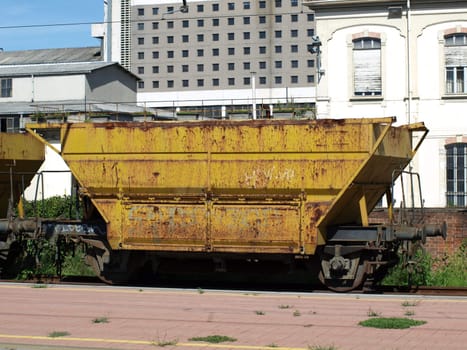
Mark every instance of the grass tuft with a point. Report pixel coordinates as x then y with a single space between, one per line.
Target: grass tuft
373 313
215 339
391 323
259 312
100 320
318 347
57 334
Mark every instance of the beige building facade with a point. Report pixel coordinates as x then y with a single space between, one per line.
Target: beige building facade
406 59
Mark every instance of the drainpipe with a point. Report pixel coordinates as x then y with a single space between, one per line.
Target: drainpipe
409 66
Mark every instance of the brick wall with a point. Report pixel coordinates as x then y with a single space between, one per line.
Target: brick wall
456 220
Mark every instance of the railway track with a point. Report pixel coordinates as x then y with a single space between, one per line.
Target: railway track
404 290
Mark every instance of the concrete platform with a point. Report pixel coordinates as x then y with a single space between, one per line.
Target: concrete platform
148 318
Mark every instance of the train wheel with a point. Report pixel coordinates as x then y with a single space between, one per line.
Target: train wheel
344 285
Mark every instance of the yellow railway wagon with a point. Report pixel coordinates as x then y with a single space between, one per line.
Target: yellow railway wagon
21 155
247 188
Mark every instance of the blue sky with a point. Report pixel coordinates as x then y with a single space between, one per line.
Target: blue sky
33 12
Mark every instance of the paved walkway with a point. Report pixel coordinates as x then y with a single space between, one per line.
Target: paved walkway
132 318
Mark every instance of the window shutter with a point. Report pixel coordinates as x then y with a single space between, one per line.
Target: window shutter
456 56
367 72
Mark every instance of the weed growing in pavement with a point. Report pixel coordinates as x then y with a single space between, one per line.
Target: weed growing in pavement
285 306
409 313
408 303
57 334
215 339
100 320
164 342
259 312
297 313
314 347
39 285
200 291
273 345
391 323
372 313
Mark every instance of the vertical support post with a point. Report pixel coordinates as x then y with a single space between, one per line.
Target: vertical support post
363 210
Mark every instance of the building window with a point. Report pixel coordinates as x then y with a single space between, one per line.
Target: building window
294 33
246 65
294 3
155 54
200 67
155 11
310 17
185 53
262 65
155 84
200 23
155 40
246 20
278 18
262 4
262 50
278 64
262 80
170 39
262 19
294 79
456 174
215 7
278 33
140 26
231 36
140 41
367 66
170 84
155 69
170 69
215 67
310 63
231 66
215 22
185 38
200 82
140 71
310 32
155 25
170 24
215 37
278 80
294 63
231 51
294 18
231 6
278 3
231 81
200 37
141 55
215 52
140 12
140 84
200 52
278 49
170 54
185 83
185 68
185 23
246 50
246 5
293 48
7 87
215 82
200 8
170 9
455 53
246 80
310 79
231 21
262 34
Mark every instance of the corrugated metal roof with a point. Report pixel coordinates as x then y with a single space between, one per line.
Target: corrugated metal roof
66 55
52 69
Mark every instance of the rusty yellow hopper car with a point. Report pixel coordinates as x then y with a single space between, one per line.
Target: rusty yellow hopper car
21 155
226 190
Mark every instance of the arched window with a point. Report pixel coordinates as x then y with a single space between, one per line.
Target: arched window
455 53
367 66
456 174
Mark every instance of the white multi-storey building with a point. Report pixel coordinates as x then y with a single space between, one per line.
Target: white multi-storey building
406 59
218 55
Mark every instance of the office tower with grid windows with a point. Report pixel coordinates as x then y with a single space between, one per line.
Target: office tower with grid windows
215 54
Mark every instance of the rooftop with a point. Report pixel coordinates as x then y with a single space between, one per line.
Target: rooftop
69 55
